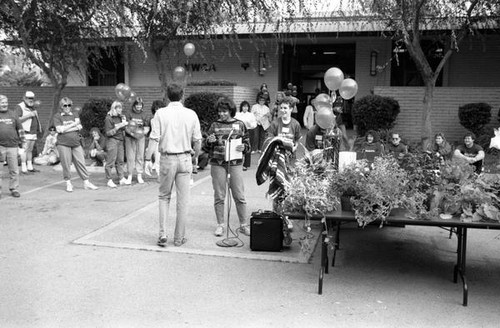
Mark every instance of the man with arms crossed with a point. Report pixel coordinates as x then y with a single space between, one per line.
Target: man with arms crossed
177 131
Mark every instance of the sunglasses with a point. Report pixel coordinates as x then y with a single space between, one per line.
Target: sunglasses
67 105
30 98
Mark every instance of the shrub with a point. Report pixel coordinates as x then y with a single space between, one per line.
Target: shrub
203 103
375 113
474 117
93 114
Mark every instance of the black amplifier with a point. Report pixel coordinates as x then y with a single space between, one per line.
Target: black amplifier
266 231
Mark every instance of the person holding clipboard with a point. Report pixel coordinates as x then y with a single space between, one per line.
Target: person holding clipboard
227 143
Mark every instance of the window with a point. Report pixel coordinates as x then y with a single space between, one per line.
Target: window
106 67
403 69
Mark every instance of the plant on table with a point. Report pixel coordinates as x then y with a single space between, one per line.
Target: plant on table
309 191
461 191
376 188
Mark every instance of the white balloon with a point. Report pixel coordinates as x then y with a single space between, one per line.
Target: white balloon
348 88
333 78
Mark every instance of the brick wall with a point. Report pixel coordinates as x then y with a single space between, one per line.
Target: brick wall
445 112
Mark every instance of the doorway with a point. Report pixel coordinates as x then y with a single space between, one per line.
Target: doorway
305 66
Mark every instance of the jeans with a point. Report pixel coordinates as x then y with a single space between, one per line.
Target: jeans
115 157
257 137
219 182
28 151
9 154
134 150
174 169
74 155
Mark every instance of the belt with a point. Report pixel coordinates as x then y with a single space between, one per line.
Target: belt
173 154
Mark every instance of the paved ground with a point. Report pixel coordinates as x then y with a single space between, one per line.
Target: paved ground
394 277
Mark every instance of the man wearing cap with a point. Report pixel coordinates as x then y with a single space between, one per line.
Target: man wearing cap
11 140
28 116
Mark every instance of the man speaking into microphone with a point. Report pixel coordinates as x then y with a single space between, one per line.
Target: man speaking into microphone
227 142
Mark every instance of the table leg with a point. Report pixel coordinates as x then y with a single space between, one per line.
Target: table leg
336 243
461 262
323 257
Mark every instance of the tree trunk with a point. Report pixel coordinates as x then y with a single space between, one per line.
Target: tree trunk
426 132
161 66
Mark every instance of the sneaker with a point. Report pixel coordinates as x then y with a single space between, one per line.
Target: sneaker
124 181
219 231
253 152
33 170
147 168
15 193
69 186
245 229
245 168
139 178
162 241
180 242
87 185
288 223
111 184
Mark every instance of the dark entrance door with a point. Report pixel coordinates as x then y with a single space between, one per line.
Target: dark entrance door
305 66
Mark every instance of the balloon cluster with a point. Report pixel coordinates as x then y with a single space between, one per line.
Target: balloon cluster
124 92
334 80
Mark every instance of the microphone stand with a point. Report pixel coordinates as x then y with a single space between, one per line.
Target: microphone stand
228 242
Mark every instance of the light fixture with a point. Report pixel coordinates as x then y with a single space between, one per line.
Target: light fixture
373 62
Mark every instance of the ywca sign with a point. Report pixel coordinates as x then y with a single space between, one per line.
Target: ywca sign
196 67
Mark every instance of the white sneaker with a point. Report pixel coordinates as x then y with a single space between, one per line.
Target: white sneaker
87 185
219 231
111 184
69 186
139 178
124 181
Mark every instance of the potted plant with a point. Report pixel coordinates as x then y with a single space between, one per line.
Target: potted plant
461 191
376 189
308 190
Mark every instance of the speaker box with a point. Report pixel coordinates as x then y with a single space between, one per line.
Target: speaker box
266 231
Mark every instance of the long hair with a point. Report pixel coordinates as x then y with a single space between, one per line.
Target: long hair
112 110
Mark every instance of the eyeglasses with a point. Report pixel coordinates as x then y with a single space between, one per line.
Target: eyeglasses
67 105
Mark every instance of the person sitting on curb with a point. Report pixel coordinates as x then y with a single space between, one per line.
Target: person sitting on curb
371 147
471 152
97 148
49 155
440 147
395 147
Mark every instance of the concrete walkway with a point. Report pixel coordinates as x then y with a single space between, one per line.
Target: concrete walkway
390 277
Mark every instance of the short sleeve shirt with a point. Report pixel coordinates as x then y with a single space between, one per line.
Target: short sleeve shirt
290 131
68 139
9 125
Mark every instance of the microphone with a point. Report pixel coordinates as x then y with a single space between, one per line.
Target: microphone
230 134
